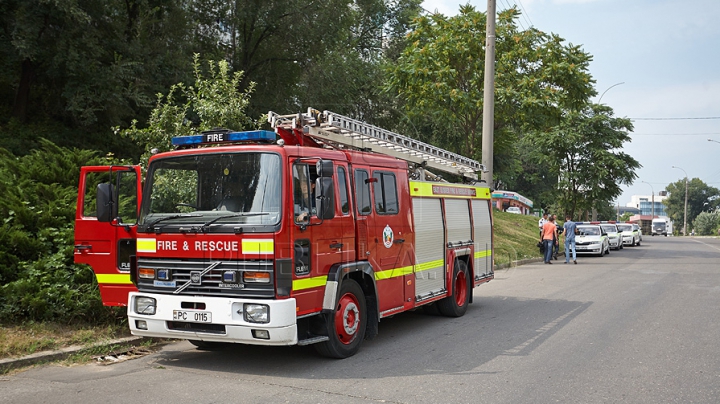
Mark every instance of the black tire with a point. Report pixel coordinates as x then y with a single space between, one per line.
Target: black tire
345 339
607 251
457 303
638 243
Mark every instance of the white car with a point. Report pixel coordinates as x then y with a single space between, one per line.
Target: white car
638 229
629 235
614 238
591 239
514 209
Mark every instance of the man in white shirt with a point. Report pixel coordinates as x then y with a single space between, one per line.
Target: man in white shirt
542 221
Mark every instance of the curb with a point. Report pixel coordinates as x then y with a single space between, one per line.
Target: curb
59 354
518 263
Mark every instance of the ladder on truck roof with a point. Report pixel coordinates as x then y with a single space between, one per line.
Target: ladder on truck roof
338 131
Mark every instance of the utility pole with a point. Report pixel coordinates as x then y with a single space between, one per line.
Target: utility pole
489 97
686 196
653 199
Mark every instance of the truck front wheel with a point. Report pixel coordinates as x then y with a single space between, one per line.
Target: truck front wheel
346 324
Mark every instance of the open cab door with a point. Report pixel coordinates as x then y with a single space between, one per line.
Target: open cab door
106 225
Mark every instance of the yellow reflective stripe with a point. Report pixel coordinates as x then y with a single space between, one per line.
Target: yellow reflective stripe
481 254
258 246
429 265
418 188
301 284
147 245
120 279
393 273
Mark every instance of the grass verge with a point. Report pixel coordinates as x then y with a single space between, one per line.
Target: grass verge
29 338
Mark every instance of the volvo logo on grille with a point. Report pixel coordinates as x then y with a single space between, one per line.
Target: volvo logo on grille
195 277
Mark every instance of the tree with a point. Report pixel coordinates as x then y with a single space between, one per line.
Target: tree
88 60
87 64
700 197
707 223
585 150
440 76
305 53
213 102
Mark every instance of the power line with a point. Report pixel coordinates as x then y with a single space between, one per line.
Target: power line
675 134
673 119
525 13
507 4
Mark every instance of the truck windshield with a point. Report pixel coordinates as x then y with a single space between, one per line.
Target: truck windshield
212 193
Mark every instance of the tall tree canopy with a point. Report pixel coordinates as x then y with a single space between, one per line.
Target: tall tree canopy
700 196
440 75
585 152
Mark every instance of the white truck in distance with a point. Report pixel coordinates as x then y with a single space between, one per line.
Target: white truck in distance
661 225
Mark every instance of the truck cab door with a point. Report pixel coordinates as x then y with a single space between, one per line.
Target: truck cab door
108 246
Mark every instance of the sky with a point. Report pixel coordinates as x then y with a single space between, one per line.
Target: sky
667 55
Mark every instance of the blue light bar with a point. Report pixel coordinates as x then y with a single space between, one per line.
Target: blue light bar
225 137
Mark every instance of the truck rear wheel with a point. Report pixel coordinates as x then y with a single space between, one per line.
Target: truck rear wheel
346 324
456 304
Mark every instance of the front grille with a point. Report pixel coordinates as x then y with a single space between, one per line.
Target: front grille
196 327
211 284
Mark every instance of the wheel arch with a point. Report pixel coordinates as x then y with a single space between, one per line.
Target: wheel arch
362 273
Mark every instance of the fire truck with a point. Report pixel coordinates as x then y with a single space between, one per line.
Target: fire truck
308 234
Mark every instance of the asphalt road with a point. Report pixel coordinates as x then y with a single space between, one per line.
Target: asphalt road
640 325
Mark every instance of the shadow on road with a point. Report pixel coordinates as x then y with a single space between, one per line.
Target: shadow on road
408 344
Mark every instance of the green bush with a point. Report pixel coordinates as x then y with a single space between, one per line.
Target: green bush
706 224
38 279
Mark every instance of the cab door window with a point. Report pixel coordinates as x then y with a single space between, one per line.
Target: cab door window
362 192
385 189
342 190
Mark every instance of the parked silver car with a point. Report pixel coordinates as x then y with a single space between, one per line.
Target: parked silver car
614 238
591 239
629 235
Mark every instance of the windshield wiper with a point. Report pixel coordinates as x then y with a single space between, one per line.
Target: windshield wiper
205 225
162 219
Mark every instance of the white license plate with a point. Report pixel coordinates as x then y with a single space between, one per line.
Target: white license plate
192 316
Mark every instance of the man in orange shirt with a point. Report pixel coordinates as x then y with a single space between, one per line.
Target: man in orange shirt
548 238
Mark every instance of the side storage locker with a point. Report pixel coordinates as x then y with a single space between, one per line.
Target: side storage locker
429 248
483 238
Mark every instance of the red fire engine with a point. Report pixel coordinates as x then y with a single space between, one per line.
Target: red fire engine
307 235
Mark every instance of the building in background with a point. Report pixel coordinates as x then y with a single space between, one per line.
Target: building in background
505 199
645 206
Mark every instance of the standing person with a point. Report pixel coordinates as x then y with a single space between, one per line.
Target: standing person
569 229
541 222
558 232
548 238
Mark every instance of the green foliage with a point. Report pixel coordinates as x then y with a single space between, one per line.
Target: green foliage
585 149
213 102
700 196
38 279
441 76
707 223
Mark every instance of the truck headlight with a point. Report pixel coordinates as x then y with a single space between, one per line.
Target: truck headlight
145 305
256 313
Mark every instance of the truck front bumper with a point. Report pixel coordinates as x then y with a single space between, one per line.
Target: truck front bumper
220 319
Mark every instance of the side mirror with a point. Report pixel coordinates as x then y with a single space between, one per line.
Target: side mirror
324 168
325 197
105 203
